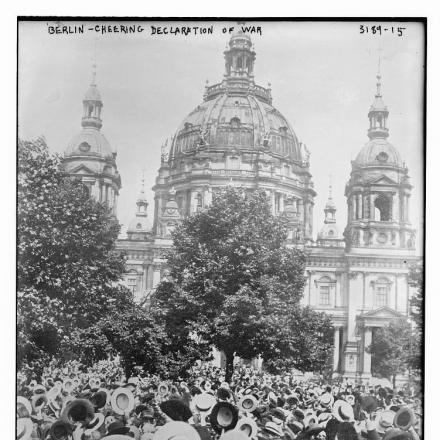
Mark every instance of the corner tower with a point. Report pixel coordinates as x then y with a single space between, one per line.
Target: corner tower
379 191
89 155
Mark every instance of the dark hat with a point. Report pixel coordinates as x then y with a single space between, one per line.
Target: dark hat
117 427
295 426
404 418
224 416
195 390
176 410
299 415
203 432
223 394
292 400
60 430
279 414
280 401
369 404
99 399
78 410
397 434
383 392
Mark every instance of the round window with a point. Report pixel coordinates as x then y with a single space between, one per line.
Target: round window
84 147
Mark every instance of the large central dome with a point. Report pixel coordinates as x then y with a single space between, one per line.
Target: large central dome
235 137
237 113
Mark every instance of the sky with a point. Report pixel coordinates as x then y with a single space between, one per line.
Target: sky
322 75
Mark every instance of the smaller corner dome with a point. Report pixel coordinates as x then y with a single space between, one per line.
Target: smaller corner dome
92 94
139 224
329 231
89 142
379 152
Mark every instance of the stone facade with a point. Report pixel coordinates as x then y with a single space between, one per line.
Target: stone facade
236 137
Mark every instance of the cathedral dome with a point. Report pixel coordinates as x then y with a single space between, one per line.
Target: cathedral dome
89 142
237 114
378 152
228 121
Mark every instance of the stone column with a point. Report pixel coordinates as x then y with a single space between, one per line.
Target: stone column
281 202
366 370
352 207
371 206
301 210
407 208
361 209
395 213
156 275
207 196
336 350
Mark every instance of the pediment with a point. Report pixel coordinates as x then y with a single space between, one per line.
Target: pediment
382 180
381 313
81 169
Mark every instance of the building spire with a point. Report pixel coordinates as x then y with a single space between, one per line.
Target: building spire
378 83
330 186
378 113
142 203
92 102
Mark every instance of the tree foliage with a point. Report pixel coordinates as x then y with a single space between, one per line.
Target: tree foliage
233 283
67 266
393 348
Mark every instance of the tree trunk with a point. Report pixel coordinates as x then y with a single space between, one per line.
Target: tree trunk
394 381
229 366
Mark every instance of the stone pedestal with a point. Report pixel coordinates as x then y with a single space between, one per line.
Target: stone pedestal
366 367
351 356
336 350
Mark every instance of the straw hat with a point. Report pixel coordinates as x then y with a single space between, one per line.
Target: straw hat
24 428
248 403
24 407
248 426
204 402
122 400
384 420
224 416
343 411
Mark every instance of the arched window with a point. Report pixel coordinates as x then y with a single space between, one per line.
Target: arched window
199 199
239 62
90 111
86 191
382 206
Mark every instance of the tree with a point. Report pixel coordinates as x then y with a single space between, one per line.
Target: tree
416 279
67 266
391 349
305 342
233 283
417 313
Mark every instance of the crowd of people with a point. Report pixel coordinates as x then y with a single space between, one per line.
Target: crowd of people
78 404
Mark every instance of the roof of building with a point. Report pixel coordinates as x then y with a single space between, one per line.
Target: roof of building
237 113
378 152
89 142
